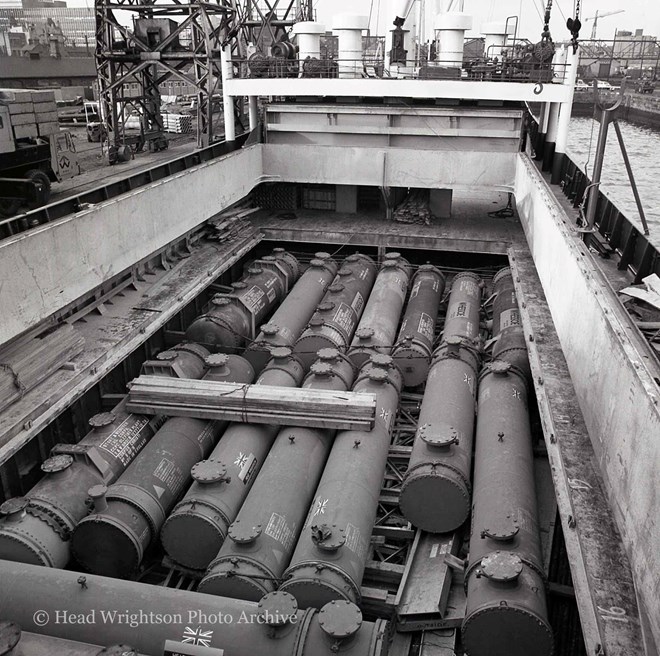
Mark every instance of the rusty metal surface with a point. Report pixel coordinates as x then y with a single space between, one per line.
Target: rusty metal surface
601 572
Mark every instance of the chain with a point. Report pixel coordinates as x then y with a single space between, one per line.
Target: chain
545 36
574 25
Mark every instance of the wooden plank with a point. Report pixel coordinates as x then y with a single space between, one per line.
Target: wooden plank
216 400
426 589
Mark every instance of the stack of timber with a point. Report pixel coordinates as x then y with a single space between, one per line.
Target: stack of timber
27 362
252 404
415 208
33 112
231 224
177 123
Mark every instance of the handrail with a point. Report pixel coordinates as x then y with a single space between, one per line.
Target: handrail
72 204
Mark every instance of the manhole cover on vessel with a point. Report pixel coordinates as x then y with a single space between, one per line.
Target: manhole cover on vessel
277 608
340 619
10 634
502 566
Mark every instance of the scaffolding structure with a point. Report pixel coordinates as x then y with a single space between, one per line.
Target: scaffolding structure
166 39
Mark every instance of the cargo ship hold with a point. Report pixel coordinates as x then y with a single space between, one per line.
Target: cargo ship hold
352 380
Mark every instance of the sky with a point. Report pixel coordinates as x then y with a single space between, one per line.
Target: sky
638 14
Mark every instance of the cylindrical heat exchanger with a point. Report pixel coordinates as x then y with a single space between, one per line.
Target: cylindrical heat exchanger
152 618
414 344
377 328
128 515
37 528
435 493
261 539
330 557
233 318
338 314
506 612
293 315
462 319
196 529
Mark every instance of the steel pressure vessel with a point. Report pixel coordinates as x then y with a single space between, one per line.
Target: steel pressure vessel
511 345
505 303
338 314
263 535
154 618
197 527
377 328
414 344
435 493
331 554
506 612
290 319
36 528
128 515
464 306
233 318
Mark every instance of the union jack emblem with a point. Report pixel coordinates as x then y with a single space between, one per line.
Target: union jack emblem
384 415
320 506
197 637
241 460
516 393
467 379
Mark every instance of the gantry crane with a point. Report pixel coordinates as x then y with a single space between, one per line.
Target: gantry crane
598 15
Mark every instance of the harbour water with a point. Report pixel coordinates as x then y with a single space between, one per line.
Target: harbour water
643 146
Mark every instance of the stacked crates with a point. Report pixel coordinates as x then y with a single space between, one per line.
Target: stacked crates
33 112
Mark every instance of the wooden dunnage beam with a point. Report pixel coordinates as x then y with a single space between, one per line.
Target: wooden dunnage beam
253 404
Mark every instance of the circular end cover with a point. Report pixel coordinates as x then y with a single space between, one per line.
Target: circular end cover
278 608
56 464
454 340
344 272
220 301
389 264
321 369
118 650
254 270
322 255
328 354
279 249
97 491
326 306
269 258
506 630
500 368
393 256
353 258
10 635
340 619
167 356
270 329
239 285
378 375
209 471
382 360
281 352
420 492
504 531
426 267
502 273
502 566
328 538
216 360
336 288
316 262
13 506
102 418
438 435
316 321
244 534
364 333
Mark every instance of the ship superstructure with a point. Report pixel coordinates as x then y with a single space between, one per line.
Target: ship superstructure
372 405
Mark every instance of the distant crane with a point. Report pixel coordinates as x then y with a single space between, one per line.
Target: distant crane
599 15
